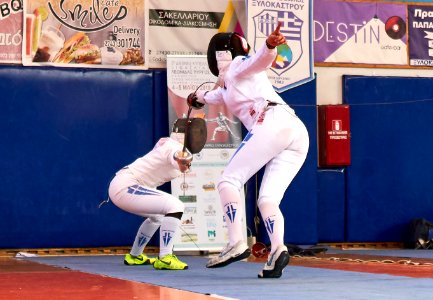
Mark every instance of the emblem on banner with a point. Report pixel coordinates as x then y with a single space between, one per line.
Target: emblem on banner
288 54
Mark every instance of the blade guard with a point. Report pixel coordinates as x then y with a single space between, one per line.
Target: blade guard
195 133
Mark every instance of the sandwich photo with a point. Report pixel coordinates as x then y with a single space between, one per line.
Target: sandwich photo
87 54
78 49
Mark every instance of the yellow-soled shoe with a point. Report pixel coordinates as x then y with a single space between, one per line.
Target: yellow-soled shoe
169 262
142 259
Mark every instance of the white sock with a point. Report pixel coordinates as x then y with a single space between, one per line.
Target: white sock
145 232
169 228
233 211
274 223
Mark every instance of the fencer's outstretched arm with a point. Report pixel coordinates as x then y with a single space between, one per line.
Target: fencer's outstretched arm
275 38
196 100
261 61
263 58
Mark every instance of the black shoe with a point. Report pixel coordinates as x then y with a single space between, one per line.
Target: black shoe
276 263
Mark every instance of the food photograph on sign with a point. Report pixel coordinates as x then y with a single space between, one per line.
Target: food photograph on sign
88 33
10 32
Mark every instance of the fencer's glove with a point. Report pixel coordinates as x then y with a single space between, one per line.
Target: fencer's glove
183 159
192 101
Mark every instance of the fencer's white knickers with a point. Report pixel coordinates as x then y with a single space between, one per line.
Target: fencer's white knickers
278 140
127 194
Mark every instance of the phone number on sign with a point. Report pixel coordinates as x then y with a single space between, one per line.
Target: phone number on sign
124 43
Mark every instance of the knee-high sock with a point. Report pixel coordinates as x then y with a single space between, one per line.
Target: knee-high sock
169 228
233 211
145 232
274 223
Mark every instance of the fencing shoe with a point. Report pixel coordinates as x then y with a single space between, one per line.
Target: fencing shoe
142 259
230 254
169 262
277 261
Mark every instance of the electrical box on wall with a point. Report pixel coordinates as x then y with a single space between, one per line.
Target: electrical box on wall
334 135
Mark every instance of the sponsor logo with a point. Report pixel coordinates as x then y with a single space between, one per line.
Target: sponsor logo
188 198
185 237
190 210
209 187
211 234
188 221
184 186
224 154
210 211
165 263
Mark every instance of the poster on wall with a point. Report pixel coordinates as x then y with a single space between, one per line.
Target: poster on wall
420 20
11 31
360 32
84 33
203 225
186 27
294 63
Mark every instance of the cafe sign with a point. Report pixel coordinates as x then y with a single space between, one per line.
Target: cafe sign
88 33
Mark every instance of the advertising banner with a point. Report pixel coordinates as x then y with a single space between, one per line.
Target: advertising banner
11 31
294 63
421 35
203 226
360 32
84 33
186 27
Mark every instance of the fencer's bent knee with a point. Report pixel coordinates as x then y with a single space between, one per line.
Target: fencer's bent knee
175 206
177 215
155 219
267 201
223 183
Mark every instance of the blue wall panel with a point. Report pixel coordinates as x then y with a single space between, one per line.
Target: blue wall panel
331 205
390 180
65 132
63 135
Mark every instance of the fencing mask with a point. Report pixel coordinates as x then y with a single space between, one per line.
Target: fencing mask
223 47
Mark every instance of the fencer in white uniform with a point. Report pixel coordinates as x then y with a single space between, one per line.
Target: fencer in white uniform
134 189
277 139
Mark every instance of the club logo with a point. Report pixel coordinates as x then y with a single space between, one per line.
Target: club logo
166 238
231 212
291 27
269 224
142 240
139 190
